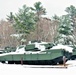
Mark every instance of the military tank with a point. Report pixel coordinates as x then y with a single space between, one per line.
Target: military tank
37 54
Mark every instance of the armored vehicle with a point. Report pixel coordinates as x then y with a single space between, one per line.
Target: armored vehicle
37 54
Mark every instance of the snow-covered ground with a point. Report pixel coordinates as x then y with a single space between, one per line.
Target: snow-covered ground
8 69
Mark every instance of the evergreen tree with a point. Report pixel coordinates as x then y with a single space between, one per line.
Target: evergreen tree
10 18
39 11
23 21
71 12
55 17
66 27
65 31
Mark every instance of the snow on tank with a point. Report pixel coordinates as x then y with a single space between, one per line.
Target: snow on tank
67 48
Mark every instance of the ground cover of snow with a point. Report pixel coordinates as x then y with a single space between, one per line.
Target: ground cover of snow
13 69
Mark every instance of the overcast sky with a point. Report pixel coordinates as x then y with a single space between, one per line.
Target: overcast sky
52 6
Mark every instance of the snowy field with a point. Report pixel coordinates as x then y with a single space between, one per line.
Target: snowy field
8 69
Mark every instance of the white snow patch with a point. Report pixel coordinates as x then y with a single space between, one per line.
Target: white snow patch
41 47
67 48
21 50
7 69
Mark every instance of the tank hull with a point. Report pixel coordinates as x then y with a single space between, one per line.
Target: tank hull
38 62
49 57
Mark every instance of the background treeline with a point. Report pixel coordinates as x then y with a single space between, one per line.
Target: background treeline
29 24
